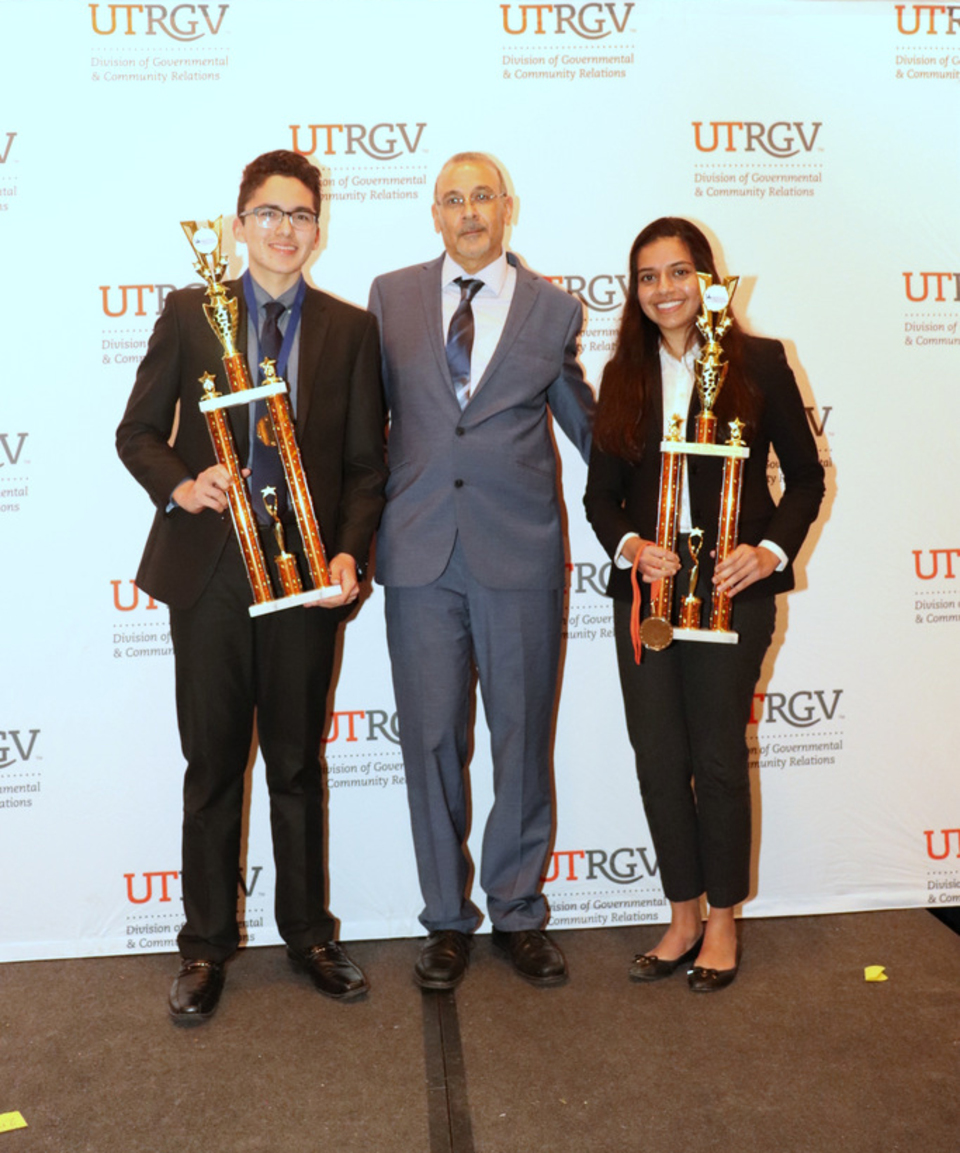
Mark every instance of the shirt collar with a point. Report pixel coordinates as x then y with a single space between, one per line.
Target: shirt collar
287 298
494 275
669 363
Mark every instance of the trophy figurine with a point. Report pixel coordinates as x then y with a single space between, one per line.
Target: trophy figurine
692 604
710 370
221 311
286 562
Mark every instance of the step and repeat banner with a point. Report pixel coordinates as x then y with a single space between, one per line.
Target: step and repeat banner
816 144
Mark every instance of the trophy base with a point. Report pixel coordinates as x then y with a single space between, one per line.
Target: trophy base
308 597
711 636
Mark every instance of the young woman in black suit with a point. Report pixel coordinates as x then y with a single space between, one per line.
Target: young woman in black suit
688 706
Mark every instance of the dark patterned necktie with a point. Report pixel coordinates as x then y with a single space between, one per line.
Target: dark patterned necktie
265 463
460 339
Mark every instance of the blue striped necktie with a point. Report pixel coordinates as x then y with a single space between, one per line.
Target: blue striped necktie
460 339
266 467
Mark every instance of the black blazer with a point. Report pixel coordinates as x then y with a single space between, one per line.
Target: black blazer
622 497
339 425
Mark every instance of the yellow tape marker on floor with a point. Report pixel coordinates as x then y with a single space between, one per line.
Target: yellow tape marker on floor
10 1121
875 973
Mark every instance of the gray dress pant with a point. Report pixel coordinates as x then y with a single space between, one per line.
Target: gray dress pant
438 634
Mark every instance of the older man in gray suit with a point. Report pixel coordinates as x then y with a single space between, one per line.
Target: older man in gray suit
476 349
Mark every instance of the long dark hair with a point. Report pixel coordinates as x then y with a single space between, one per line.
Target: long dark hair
630 384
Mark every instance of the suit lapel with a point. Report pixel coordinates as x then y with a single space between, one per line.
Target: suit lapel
430 300
314 325
524 298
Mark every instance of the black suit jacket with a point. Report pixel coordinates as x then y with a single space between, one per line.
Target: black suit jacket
622 497
339 424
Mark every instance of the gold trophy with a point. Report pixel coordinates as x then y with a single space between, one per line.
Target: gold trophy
221 311
656 630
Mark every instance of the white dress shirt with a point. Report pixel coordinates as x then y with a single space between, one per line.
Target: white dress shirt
679 380
490 308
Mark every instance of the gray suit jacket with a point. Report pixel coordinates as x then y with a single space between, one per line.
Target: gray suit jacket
489 472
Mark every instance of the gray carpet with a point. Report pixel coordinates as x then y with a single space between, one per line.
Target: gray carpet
799 1054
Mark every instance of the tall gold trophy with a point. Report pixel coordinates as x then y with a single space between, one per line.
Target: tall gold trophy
221 312
657 631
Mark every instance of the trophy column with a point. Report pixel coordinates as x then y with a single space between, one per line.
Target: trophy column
241 513
656 631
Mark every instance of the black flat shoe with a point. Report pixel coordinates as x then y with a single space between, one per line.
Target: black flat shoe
195 992
649 967
443 960
703 980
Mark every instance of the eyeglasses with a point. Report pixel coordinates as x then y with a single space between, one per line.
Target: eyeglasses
268 216
454 202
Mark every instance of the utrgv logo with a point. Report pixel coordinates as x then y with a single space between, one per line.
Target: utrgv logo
934 566
23 747
802 710
622 866
118 301
946 834
381 142
350 725
12 454
779 139
601 293
163 879
916 294
933 26
171 23
589 22
134 598
818 426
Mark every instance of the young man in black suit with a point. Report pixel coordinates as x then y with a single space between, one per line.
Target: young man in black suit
230 666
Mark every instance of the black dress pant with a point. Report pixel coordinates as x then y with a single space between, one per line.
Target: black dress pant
230 669
687 711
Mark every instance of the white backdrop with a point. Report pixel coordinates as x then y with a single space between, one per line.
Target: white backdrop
814 140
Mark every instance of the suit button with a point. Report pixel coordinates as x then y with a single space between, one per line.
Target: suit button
459 432
458 483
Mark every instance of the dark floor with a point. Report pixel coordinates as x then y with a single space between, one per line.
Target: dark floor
799 1054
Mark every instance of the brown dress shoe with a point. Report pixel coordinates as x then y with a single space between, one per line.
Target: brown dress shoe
330 969
534 955
444 957
195 992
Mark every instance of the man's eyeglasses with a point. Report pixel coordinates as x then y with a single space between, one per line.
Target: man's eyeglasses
269 217
454 202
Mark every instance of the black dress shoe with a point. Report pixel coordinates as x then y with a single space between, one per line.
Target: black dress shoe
330 969
444 957
649 967
535 957
703 980
195 992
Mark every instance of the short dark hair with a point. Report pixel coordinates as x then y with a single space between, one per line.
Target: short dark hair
278 163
